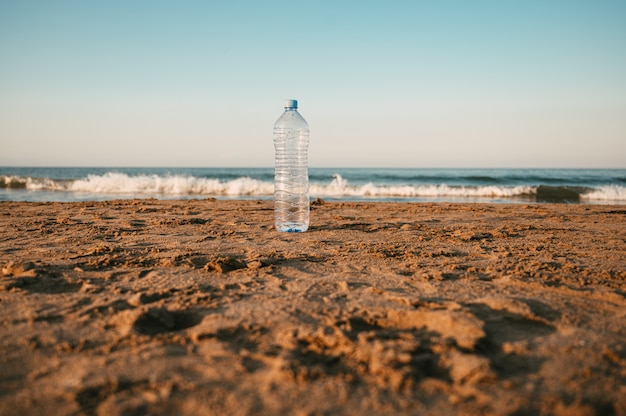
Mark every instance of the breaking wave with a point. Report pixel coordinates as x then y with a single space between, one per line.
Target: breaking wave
339 187
122 184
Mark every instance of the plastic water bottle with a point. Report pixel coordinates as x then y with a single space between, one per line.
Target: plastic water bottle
291 173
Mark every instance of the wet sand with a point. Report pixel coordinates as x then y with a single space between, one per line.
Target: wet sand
200 308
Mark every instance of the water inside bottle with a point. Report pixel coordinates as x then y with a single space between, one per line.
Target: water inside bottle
291 212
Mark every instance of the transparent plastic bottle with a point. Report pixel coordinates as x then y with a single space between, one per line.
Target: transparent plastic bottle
291 173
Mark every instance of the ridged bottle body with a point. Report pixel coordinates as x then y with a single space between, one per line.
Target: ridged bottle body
291 173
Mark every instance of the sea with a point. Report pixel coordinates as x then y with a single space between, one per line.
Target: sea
66 184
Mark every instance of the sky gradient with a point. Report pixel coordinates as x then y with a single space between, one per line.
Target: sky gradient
382 84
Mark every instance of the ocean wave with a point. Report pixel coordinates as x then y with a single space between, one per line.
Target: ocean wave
121 183
34 184
606 193
174 185
113 183
339 187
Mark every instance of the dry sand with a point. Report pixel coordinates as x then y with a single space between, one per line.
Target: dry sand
201 307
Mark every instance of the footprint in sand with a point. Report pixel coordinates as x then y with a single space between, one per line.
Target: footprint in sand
160 320
27 276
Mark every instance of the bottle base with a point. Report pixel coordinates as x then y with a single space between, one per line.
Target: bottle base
291 228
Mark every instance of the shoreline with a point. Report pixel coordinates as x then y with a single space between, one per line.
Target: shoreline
560 197
593 186
201 307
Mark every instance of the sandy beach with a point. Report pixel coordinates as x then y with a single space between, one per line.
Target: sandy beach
200 307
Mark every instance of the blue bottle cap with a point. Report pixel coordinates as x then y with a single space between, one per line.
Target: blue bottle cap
291 103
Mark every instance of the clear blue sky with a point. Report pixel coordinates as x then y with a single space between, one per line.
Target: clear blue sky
382 83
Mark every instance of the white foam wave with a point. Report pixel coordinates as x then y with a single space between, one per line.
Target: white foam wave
120 183
176 185
339 187
606 193
34 184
